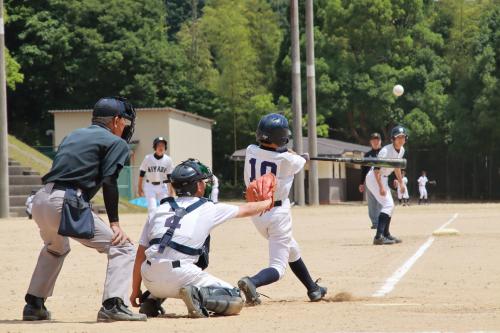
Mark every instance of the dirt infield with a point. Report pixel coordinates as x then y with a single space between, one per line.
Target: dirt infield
453 286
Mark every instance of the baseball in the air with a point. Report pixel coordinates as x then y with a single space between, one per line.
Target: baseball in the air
398 90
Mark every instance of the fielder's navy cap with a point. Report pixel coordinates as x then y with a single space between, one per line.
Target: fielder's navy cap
375 135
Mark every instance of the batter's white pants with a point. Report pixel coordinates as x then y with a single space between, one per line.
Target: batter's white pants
154 193
276 227
423 192
164 281
404 195
386 201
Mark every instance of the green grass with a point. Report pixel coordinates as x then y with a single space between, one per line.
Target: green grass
30 157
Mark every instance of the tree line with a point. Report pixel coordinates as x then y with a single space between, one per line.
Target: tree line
230 60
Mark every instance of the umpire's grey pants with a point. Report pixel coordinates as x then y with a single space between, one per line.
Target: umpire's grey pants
374 207
47 206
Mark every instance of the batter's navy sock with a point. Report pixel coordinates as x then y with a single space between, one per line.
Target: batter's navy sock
383 219
386 230
265 276
300 270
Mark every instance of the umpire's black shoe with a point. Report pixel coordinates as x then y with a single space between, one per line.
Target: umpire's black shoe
248 288
31 313
395 239
35 309
383 241
317 294
192 298
118 311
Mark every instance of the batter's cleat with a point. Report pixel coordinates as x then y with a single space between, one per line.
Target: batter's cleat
383 241
119 312
317 294
248 288
395 239
191 297
32 313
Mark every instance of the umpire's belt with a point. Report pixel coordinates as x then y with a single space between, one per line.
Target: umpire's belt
178 247
156 183
175 263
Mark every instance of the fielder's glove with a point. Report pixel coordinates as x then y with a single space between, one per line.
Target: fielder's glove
261 189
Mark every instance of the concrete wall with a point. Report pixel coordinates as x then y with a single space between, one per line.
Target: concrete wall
190 137
65 123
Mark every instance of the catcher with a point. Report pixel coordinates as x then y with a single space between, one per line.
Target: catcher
272 157
173 242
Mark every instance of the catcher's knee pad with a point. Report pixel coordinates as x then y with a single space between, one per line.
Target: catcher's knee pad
223 301
151 306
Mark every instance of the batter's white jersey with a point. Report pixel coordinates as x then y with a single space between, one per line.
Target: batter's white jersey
156 169
284 165
389 152
159 275
276 224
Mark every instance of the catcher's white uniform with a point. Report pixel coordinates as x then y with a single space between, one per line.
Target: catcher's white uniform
276 224
371 183
159 273
155 171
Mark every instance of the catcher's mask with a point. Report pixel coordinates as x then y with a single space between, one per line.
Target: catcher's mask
186 176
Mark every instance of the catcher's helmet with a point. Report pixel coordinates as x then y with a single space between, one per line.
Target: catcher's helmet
158 140
399 131
273 128
186 175
116 107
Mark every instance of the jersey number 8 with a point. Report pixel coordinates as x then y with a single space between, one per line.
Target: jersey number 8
264 165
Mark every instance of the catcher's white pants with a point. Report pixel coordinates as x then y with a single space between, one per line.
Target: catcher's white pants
386 201
164 281
423 192
404 195
154 193
276 226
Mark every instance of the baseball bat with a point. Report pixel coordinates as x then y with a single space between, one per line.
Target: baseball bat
367 161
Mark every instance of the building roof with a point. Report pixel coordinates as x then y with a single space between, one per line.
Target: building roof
326 148
161 109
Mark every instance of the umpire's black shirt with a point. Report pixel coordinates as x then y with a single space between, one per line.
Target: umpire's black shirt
86 156
365 169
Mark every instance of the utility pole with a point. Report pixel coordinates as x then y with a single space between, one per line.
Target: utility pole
311 106
4 153
299 196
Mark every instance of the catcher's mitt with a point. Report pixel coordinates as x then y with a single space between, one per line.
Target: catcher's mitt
262 189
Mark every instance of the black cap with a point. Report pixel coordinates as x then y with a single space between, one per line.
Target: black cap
112 107
375 135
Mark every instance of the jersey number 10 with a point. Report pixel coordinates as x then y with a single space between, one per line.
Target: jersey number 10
264 165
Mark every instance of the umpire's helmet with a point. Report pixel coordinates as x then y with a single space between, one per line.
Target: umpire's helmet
117 107
158 140
273 128
399 130
186 176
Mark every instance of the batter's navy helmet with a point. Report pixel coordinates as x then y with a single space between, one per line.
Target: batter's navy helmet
399 130
158 140
273 128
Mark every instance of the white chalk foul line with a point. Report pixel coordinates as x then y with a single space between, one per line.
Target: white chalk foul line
391 282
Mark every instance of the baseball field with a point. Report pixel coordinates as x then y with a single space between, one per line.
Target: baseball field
427 283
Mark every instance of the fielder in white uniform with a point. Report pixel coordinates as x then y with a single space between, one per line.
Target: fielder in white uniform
214 196
172 272
155 169
403 195
276 224
422 182
377 183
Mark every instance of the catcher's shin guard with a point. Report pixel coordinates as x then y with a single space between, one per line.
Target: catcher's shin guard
222 301
151 306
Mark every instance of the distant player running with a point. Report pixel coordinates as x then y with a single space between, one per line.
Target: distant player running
276 225
378 185
155 168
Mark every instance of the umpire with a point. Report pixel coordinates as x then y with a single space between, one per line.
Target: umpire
373 206
87 159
